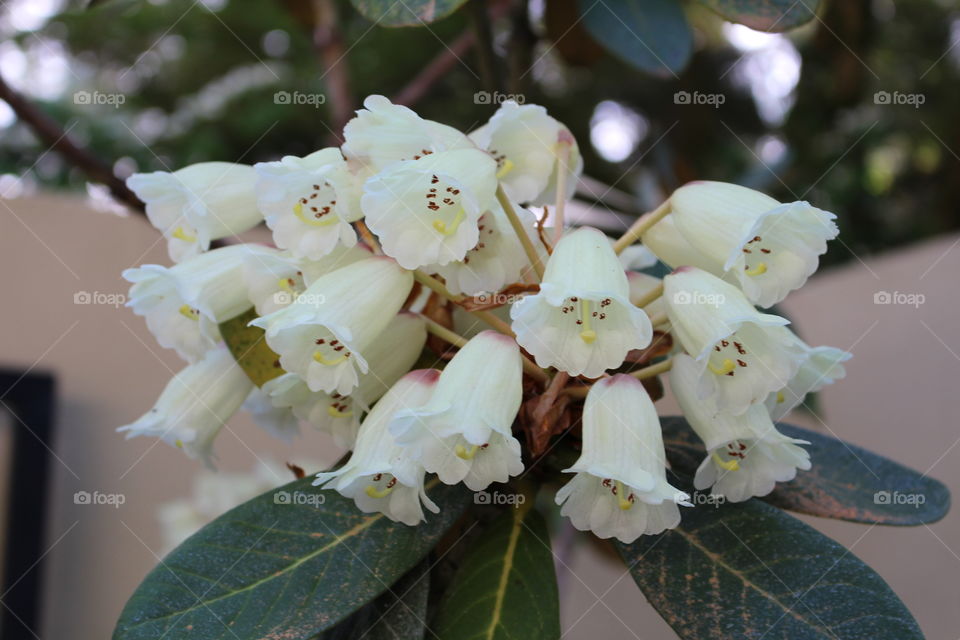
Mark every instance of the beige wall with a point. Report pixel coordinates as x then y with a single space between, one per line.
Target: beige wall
898 400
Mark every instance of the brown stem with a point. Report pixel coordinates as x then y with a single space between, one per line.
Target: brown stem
437 68
53 135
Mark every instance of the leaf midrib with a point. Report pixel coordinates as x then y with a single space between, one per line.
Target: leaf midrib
515 530
358 528
717 559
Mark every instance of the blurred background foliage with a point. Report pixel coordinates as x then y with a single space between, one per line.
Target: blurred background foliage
800 114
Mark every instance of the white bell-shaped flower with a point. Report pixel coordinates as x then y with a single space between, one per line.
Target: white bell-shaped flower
464 432
582 320
384 133
184 304
426 211
496 260
389 357
524 141
671 247
323 335
767 247
620 488
382 475
819 367
195 404
741 359
309 202
746 455
277 279
199 203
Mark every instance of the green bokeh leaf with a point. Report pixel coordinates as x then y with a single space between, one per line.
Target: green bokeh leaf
409 13
846 481
281 567
752 571
766 15
651 35
249 348
506 587
400 613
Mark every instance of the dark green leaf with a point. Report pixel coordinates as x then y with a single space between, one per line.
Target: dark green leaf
651 35
752 571
408 13
249 348
766 15
399 613
287 564
846 481
506 587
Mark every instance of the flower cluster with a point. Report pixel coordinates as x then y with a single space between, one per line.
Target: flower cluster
403 232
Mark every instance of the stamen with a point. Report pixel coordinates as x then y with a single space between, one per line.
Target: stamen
623 501
505 168
780 397
587 334
464 453
179 443
373 492
326 221
727 367
334 412
286 284
441 226
180 234
729 465
758 270
319 357
188 311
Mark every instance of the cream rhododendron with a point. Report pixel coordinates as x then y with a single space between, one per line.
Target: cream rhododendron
197 204
582 320
309 202
768 248
323 335
195 404
525 142
427 211
819 367
384 133
620 487
184 304
416 246
463 433
381 475
740 358
746 455
391 355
